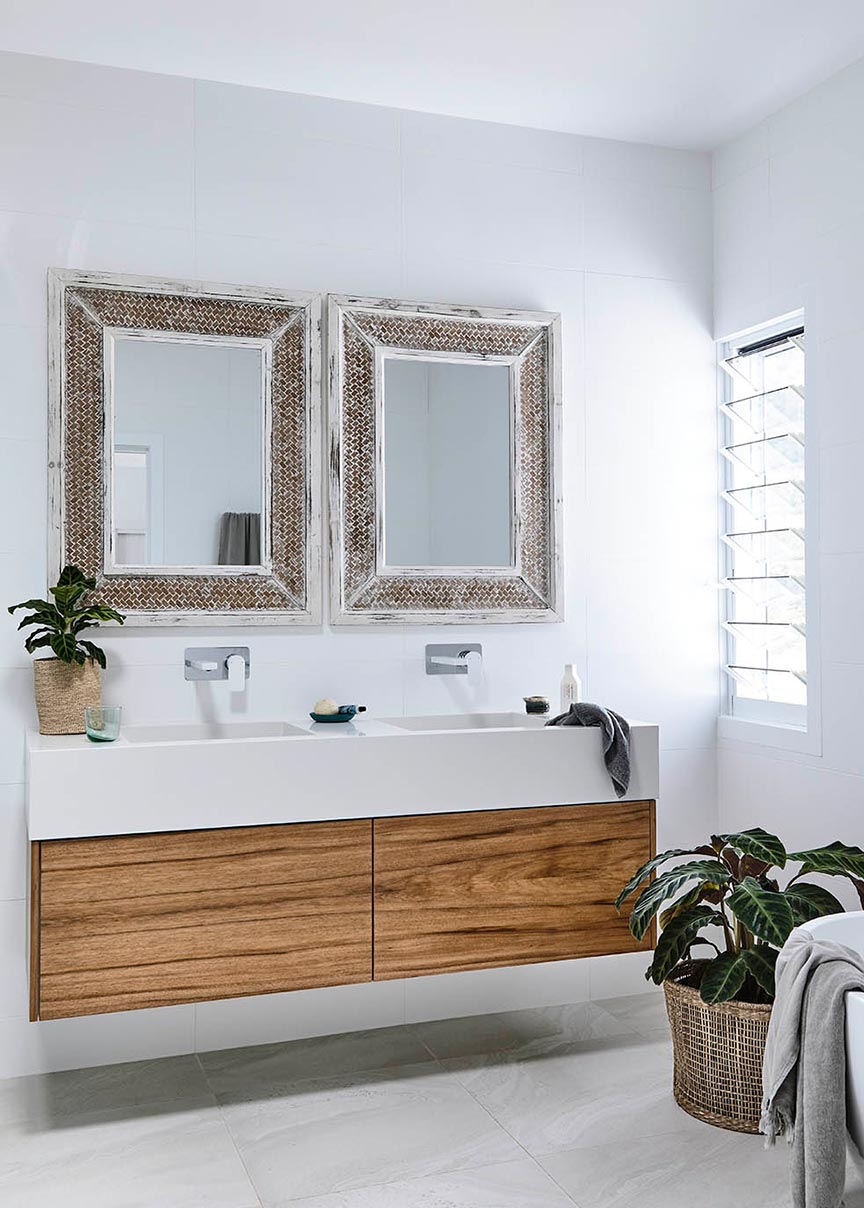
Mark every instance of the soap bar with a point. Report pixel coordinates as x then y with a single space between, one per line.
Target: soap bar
325 705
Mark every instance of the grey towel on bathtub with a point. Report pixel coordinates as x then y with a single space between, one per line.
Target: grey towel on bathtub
804 1072
616 738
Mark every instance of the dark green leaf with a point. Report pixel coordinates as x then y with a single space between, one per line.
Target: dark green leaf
94 613
759 844
646 870
35 618
859 889
724 977
36 640
65 647
95 652
667 884
811 901
767 914
71 576
37 604
68 597
760 963
675 942
837 859
688 899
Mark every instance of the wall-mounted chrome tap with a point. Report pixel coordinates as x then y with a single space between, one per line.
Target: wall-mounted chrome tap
462 659
229 663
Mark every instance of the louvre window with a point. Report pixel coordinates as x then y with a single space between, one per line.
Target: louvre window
765 623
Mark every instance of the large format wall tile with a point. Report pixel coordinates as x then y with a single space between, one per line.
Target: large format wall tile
489 211
90 165
304 190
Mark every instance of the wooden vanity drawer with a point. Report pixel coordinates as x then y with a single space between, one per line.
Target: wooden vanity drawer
505 887
149 920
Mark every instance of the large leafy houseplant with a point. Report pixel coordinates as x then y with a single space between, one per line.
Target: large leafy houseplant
730 889
59 623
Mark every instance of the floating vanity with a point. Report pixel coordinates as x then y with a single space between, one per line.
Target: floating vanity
186 863
189 862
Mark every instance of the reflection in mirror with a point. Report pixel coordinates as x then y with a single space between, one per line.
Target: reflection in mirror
188 456
447 458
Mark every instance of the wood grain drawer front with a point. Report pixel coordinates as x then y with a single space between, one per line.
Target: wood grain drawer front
504 887
148 920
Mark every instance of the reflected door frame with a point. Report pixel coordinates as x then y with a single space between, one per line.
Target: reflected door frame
152 444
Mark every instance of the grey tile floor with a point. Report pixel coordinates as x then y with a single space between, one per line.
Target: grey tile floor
530 1109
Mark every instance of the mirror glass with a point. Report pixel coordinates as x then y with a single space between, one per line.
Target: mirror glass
447 463
189 443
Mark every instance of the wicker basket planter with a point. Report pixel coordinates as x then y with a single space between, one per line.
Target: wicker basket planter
63 690
718 1054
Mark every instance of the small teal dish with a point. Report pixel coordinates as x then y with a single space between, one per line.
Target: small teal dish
346 713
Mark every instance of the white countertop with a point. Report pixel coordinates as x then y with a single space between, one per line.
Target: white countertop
365 768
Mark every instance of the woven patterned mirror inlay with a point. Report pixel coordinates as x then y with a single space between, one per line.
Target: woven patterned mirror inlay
84 312
357 329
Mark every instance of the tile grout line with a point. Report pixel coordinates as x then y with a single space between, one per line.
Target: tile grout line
527 1152
227 1127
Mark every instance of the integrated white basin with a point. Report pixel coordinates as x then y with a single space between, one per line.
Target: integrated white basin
187 777
442 722
215 731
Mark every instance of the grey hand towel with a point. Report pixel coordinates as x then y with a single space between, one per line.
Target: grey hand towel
804 1072
239 539
616 738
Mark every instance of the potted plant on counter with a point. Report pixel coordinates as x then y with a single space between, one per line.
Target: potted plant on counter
70 681
725 896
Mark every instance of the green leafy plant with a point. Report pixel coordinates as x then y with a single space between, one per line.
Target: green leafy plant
730 885
59 623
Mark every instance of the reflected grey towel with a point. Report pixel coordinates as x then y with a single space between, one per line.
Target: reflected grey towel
239 539
804 1072
616 738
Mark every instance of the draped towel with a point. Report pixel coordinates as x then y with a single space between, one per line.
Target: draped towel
239 539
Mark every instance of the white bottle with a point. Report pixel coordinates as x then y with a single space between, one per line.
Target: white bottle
571 687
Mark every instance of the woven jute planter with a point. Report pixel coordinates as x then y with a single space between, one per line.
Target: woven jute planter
718 1051
63 691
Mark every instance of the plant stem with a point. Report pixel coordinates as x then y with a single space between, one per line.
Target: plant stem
731 945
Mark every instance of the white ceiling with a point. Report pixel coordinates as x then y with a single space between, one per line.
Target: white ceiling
683 73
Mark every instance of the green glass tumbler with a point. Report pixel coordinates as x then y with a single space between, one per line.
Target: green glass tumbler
102 722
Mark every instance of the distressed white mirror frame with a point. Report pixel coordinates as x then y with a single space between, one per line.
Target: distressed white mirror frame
88 312
362 333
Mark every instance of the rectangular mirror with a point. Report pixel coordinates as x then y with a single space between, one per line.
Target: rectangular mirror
189 444
447 466
444 463
184 447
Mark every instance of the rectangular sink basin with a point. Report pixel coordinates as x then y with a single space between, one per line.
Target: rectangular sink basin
467 721
209 731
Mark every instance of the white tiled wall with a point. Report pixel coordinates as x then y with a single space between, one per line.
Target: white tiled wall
789 205
115 170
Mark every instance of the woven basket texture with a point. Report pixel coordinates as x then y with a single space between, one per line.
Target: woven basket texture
718 1050
63 690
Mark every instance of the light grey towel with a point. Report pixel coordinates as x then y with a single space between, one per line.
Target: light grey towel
239 539
804 1072
616 738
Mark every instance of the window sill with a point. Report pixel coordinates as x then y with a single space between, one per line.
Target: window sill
806 740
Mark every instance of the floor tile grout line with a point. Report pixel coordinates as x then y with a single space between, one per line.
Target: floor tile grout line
224 1120
516 1141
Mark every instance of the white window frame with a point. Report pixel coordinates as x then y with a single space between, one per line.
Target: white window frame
766 723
